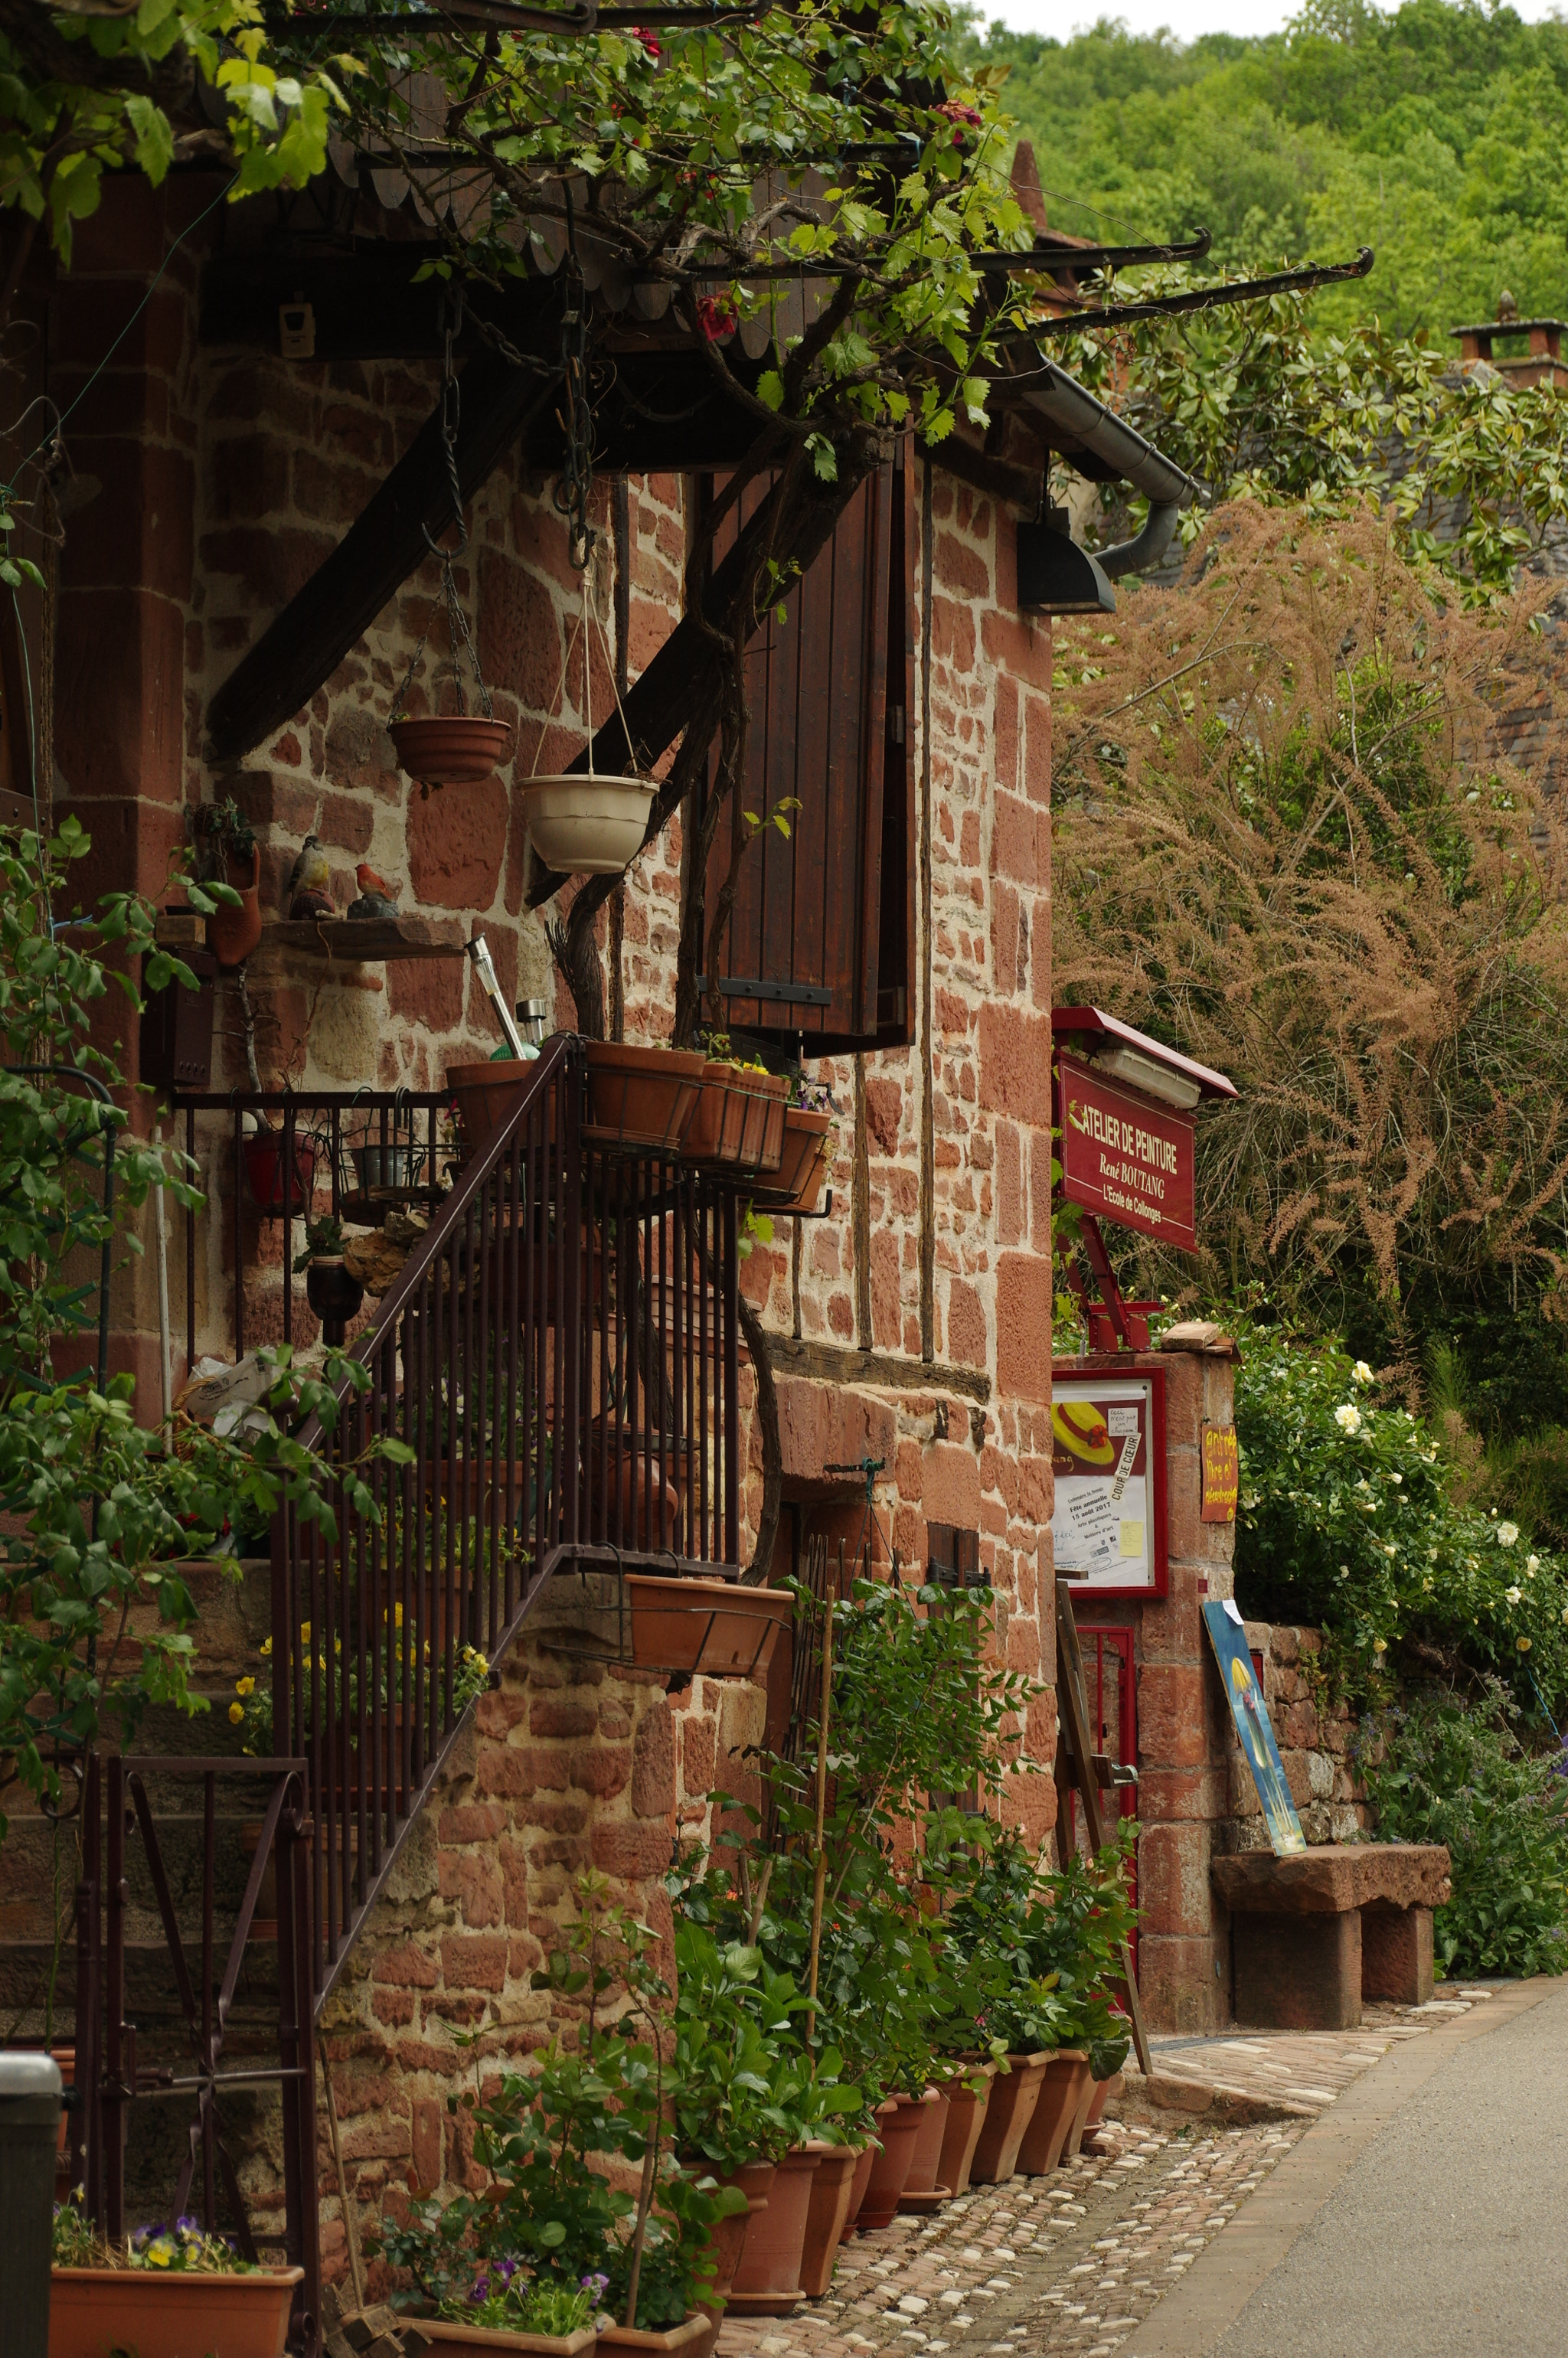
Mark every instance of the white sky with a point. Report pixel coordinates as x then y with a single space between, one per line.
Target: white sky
1185 18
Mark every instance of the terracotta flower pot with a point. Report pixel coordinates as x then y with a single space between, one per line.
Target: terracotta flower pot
802 1163
456 2340
712 1626
1040 2148
966 2118
898 2125
93 2311
728 2239
486 1095
640 1097
694 2338
830 2191
232 934
1085 2093
923 2190
449 749
767 2281
263 1170
1098 2101
858 2185
585 823
739 1117
1014 2095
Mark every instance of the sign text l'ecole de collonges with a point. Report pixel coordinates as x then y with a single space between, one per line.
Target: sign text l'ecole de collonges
1123 1158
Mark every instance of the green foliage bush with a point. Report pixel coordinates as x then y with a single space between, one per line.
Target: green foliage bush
1446 1768
1347 1519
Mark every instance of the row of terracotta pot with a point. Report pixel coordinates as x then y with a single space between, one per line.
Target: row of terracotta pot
977 2128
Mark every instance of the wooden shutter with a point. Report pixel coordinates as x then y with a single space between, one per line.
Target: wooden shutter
826 918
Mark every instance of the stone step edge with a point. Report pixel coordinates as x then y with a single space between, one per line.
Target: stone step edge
1168 2091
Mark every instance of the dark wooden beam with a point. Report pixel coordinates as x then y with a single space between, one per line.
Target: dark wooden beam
306 642
999 479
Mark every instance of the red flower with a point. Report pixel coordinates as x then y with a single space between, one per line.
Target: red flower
647 41
956 111
715 316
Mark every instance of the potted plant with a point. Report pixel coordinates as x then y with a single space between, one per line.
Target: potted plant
737 1119
172 2290
640 1098
234 928
807 1154
332 1293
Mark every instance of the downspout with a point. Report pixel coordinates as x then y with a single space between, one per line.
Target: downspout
1089 426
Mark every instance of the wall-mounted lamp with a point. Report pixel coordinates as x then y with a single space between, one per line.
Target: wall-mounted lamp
1055 575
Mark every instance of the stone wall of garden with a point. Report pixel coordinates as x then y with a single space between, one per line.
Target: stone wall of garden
1315 1735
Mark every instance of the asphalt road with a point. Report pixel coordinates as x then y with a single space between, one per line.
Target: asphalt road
1447 2231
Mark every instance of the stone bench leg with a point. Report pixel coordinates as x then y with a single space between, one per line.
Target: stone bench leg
1395 1953
1298 1973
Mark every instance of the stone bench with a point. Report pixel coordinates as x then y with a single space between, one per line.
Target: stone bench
1316 1934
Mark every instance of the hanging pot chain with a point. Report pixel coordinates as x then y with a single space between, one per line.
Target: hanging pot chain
458 632
576 482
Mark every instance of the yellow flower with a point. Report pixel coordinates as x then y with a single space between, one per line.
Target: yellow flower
1523 1644
397 1615
266 1646
304 1633
245 1686
236 1712
1380 1645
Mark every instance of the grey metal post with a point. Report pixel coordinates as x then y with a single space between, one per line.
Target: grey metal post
30 2125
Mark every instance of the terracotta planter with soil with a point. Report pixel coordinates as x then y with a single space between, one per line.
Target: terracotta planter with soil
898 2125
1014 2095
1085 2093
712 1626
924 2190
1040 2148
738 1122
802 1163
728 2238
232 934
451 749
95 2312
966 2118
767 2281
640 1098
453 2339
694 2338
825 2221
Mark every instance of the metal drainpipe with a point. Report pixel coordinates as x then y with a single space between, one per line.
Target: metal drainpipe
1096 429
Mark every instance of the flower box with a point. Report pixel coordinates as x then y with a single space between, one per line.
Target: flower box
170 2313
694 2338
738 1121
807 1150
640 1098
455 2340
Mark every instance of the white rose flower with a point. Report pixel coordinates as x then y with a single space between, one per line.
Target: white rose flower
1532 1564
1363 1373
1507 1534
1513 1595
1398 1480
1347 1419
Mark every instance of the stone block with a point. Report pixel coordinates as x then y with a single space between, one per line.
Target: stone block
1172 1729
1395 1953
1328 1878
1297 1971
1178 1984
1173 1879
1024 1291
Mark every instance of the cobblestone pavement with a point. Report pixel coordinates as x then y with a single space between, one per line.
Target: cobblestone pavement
1043 2266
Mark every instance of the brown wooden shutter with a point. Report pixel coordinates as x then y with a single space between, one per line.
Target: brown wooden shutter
826 918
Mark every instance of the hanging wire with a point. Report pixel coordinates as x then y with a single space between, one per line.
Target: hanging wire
458 632
575 483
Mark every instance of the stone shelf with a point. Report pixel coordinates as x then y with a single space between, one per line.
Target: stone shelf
364 939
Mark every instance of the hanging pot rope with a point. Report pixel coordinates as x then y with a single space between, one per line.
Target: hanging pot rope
458 632
585 822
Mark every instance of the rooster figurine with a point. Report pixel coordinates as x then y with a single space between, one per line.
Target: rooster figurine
377 897
310 883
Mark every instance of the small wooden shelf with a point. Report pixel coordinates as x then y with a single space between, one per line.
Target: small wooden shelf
367 939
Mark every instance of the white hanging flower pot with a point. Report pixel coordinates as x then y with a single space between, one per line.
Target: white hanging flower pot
586 823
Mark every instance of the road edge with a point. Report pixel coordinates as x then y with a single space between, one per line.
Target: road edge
1189 2320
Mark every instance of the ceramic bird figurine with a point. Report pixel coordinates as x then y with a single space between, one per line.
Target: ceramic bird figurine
377 897
310 883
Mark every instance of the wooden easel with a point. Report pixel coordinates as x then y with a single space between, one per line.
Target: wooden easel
1081 1769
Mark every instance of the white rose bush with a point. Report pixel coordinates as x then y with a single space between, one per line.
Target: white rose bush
1348 1522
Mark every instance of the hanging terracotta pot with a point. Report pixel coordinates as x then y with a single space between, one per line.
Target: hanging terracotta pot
1040 2150
716 1627
767 2281
966 2118
825 2219
263 1170
739 1117
584 823
898 2125
232 934
806 1152
1014 2095
451 749
640 1098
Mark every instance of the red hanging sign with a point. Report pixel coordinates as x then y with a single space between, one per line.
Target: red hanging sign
1125 1158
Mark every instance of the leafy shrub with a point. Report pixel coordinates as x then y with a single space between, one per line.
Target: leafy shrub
1348 1519
1446 1768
